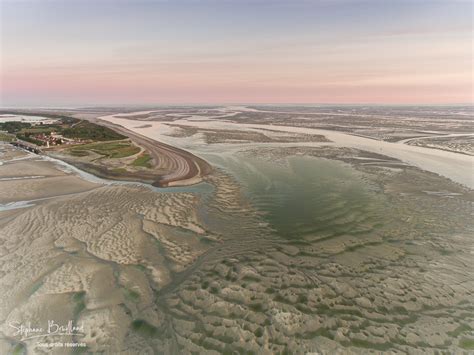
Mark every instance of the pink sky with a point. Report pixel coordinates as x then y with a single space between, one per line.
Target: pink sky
76 59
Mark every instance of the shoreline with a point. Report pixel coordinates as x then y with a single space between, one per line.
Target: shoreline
65 166
181 168
188 169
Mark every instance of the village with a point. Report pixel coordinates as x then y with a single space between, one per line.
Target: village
54 139
34 142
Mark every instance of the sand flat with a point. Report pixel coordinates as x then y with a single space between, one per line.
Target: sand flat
27 177
298 246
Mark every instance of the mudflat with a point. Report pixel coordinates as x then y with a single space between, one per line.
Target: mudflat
295 241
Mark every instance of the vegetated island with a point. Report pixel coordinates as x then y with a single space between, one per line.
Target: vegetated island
103 149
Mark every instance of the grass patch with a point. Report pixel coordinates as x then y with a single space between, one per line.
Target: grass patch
143 160
115 150
6 137
19 349
131 295
108 150
144 328
140 267
78 152
460 329
368 345
467 344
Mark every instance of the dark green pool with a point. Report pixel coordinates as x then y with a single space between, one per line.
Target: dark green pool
308 198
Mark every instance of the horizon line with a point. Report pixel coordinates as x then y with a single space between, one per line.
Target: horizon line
215 104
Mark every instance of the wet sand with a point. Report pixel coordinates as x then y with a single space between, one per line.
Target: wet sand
86 252
27 177
377 258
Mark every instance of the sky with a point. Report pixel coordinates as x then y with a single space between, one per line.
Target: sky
145 52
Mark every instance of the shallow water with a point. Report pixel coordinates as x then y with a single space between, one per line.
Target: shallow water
15 205
308 198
